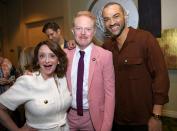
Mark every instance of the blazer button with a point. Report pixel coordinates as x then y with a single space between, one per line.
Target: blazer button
93 59
126 61
45 101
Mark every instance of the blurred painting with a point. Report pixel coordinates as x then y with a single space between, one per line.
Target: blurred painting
168 43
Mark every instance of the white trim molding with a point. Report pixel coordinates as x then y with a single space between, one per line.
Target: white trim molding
169 113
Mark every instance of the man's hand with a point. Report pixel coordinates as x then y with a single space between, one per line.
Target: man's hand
154 124
27 72
71 44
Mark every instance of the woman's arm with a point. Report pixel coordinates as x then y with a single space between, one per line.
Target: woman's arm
6 120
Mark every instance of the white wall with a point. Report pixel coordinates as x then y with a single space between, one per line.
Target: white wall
169 14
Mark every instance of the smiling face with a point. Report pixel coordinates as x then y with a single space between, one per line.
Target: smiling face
83 30
53 35
114 19
47 61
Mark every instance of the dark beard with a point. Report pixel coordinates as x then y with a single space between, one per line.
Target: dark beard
109 34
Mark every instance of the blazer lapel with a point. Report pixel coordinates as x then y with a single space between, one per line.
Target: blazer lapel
93 61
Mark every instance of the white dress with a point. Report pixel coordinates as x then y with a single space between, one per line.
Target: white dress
45 103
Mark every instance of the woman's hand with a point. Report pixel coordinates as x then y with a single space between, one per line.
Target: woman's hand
27 128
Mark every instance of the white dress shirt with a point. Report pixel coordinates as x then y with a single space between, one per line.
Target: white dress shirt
86 75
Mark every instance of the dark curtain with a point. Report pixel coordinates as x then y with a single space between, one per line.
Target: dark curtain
150 16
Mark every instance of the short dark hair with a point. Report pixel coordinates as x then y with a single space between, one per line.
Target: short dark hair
115 3
50 25
56 49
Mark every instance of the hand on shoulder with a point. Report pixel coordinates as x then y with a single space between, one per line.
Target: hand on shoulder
27 72
71 44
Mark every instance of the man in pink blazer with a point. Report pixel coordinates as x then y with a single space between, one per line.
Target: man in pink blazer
98 80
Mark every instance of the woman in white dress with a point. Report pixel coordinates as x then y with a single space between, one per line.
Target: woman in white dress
44 93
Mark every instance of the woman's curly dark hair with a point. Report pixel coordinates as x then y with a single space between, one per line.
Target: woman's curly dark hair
56 49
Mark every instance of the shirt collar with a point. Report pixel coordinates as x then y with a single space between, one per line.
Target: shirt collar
87 50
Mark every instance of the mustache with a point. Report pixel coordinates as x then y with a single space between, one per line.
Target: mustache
114 25
83 37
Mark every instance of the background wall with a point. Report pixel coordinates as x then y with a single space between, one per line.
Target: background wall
25 19
169 9
2 23
21 22
169 20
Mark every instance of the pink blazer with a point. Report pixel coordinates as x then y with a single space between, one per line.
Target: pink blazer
101 84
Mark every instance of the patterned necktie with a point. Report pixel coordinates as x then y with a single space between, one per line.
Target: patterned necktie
80 76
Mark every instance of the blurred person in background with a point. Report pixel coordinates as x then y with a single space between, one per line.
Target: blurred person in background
53 32
26 59
7 77
7 74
